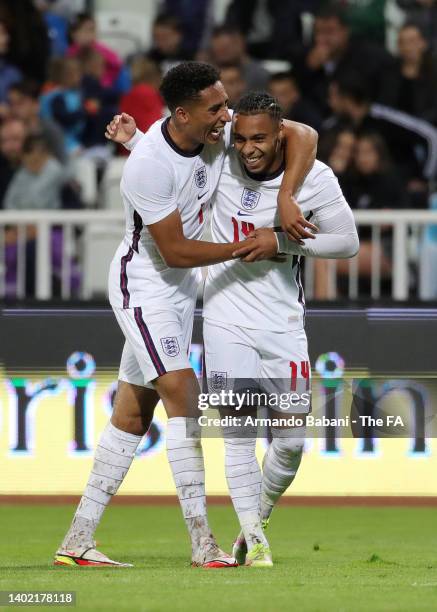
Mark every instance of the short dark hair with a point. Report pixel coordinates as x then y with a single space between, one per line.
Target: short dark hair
185 81
168 20
27 88
35 141
333 12
226 29
354 87
257 102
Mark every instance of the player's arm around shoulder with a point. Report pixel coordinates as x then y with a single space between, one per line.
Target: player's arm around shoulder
300 144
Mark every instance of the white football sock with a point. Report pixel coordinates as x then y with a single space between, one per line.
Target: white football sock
113 457
280 465
185 457
243 476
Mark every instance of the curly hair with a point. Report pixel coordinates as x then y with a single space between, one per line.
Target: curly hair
256 102
185 82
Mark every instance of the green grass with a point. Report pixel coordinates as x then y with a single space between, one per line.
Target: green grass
342 559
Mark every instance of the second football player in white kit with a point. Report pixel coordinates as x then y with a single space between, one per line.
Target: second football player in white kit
254 314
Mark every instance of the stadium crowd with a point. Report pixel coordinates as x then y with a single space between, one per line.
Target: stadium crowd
373 103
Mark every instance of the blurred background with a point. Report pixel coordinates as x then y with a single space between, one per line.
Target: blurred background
363 73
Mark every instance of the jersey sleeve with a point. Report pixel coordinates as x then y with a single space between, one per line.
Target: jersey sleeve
323 195
337 239
149 186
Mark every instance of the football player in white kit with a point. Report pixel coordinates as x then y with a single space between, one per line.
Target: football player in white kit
167 182
254 314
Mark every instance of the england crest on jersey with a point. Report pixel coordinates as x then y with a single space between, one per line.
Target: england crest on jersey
250 199
170 346
200 177
218 381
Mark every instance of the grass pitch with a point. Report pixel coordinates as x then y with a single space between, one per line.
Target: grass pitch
342 559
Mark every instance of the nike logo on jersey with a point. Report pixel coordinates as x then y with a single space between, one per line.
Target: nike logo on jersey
242 214
201 196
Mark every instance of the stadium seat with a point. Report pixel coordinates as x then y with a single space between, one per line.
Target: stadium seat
109 196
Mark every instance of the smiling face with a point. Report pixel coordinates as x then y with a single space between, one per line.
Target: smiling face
203 119
257 138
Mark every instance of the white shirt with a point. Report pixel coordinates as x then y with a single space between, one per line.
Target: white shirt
263 295
159 178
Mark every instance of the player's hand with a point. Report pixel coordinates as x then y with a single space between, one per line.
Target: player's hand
293 222
261 244
121 128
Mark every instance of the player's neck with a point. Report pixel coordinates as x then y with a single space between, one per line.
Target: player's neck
277 163
180 139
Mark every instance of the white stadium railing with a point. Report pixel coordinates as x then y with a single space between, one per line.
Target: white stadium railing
89 239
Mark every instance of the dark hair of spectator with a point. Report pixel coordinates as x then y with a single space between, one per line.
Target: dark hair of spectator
259 102
27 88
226 30
80 19
283 76
333 12
416 26
380 147
354 87
35 142
185 81
168 20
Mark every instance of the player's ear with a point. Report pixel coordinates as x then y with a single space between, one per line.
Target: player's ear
281 133
181 115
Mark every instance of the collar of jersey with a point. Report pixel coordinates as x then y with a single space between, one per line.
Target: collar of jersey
174 146
264 177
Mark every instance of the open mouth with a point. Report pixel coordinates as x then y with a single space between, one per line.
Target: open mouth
216 132
252 161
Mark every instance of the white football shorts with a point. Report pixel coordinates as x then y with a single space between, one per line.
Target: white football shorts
277 362
156 342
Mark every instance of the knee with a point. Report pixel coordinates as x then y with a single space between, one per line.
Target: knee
129 424
288 446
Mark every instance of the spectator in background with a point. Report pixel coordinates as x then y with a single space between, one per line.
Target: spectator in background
29 48
334 53
412 142
57 27
336 149
99 102
9 74
24 104
65 104
38 183
424 14
372 184
412 86
193 19
228 48
276 33
366 19
143 101
12 136
284 88
83 36
233 81
168 42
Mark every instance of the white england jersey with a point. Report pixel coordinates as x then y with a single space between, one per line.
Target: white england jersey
263 295
159 178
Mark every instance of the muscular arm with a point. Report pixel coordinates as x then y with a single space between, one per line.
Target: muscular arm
180 252
300 153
